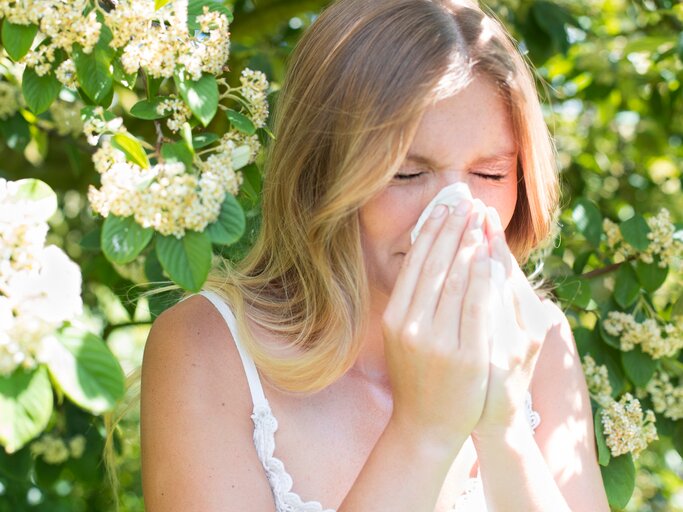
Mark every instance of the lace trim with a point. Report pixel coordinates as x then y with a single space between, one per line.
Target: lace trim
265 426
281 483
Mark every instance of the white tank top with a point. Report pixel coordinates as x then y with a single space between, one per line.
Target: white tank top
265 425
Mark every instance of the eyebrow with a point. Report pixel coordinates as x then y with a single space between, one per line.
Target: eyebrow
503 157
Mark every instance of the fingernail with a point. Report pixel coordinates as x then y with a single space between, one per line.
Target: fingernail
463 208
438 211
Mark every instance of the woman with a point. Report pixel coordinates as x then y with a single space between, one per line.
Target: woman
372 353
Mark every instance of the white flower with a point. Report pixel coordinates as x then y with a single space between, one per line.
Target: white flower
625 428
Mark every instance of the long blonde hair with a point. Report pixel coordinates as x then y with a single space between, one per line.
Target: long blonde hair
357 84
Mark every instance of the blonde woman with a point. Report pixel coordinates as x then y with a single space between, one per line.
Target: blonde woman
340 367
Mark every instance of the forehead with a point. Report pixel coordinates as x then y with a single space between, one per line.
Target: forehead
472 125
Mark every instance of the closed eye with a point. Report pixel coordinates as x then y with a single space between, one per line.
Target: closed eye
408 176
492 177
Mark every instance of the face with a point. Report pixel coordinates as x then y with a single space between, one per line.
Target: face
467 137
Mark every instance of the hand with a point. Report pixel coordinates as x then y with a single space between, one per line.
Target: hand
435 334
523 325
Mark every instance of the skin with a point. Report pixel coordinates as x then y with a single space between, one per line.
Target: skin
342 446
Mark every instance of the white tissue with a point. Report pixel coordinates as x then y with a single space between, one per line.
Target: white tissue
500 295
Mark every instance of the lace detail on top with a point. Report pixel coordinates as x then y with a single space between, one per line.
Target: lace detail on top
265 426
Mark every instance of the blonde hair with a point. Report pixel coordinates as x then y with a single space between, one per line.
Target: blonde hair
356 86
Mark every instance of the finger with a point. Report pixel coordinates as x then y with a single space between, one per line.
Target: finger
439 261
473 335
404 287
494 227
448 310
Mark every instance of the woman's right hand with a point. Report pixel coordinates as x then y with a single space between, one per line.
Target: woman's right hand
435 334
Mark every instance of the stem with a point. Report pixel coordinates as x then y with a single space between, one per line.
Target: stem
110 328
605 270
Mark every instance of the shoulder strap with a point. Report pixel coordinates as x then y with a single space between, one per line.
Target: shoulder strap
257 395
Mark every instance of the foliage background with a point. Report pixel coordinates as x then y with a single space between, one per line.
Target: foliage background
611 73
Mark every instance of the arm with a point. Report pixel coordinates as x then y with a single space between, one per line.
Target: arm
195 427
555 469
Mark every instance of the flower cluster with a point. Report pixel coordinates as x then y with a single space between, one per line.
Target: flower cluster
67 118
663 244
667 399
164 197
158 41
625 427
99 123
179 111
40 287
62 24
646 334
255 89
597 380
10 98
55 450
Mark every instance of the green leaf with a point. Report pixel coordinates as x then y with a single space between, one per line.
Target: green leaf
639 367
17 39
604 454
552 18
201 95
132 149
188 260
15 131
677 437
147 109
619 477
177 152
39 91
575 291
123 239
122 77
635 231
677 308
588 220
612 341
241 122
94 73
229 227
86 371
16 466
240 157
204 139
651 275
25 406
158 4
626 287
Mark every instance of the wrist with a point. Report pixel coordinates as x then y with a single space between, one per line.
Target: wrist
507 433
442 448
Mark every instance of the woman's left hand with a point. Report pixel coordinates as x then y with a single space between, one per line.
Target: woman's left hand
523 322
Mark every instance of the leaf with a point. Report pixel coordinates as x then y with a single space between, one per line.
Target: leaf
635 231
651 275
626 287
15 131
204 139
187 260
201 95
588 220
552 18
17 39
677 308
639 367
158 4
132 149
241 122
123 239
147 109
619 477
612 341
39 91
177 152
25 406
604 454
94 73
86 371
240 157
229 227
677 437
575 291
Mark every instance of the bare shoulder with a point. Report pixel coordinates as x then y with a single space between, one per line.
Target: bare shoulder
195 425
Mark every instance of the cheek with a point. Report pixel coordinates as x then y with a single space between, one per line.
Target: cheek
502 198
